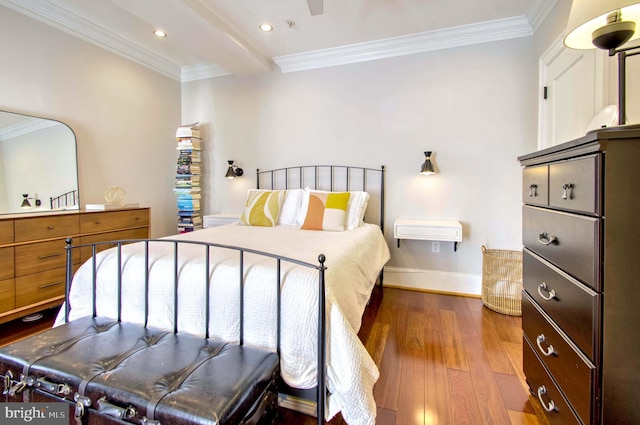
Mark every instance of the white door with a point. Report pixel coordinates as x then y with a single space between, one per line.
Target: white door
574 84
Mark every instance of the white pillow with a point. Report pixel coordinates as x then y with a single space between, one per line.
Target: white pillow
302 214
356 208
290 208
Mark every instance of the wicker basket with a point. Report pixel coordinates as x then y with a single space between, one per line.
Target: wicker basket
502 280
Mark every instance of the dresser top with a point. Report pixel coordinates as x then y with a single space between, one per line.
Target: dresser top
590 141
14 216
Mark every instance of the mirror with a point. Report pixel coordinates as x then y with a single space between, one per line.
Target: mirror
38 165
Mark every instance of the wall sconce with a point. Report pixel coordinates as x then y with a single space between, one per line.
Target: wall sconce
27 204
606 24
233 171
427 167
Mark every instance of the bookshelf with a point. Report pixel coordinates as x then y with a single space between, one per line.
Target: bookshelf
188 188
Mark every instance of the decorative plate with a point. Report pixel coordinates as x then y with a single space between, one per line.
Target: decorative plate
115 195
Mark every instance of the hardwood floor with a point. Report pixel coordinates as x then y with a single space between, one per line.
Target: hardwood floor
443 360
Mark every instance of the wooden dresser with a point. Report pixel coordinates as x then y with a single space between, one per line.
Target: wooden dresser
32 254
581 269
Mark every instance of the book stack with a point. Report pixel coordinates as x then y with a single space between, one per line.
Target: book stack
188 172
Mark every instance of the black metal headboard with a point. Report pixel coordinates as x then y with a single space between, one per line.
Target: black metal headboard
331 178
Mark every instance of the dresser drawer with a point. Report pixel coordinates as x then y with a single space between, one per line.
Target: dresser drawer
535 185
87 252
46 227
574 185
6 231
36 257
569 241
6 263
114 220
545 389
39 287
7 295
573 372
573 306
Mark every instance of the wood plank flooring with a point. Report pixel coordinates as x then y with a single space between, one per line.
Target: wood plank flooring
443 360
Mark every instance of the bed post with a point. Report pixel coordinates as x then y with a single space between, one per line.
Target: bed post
322 390
68 277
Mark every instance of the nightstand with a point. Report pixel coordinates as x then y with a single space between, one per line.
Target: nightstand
429 230
215 220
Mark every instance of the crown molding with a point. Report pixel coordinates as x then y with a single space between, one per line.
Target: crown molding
60 18
538 12
201 72
466 35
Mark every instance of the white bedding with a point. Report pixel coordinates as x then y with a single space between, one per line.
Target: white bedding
353 259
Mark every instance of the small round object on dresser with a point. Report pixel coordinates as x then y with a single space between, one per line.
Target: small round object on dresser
115 195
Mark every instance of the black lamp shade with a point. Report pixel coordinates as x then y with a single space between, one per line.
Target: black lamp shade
427 166
25 201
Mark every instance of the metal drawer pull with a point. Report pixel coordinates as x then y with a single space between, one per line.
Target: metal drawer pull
549 351
548 407
543 287
566 187
50 284
546 239
43 257
532 189
50 227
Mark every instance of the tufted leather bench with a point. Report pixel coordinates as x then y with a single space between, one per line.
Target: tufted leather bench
113 372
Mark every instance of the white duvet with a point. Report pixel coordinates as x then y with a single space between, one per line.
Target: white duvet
353 260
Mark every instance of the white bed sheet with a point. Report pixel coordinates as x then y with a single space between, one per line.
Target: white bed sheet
353 259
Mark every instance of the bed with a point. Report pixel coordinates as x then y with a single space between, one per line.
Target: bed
354 260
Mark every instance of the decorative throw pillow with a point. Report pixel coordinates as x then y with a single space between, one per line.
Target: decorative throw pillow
262 208
326 211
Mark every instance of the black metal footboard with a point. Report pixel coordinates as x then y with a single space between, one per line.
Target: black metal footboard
176 247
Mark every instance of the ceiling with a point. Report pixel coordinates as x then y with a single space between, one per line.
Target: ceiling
220 37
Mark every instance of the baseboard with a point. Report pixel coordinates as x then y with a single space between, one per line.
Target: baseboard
434 281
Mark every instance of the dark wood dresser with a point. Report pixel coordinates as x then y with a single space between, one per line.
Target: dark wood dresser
581 277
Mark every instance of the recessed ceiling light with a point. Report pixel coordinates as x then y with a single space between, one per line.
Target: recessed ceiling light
159 33
266 27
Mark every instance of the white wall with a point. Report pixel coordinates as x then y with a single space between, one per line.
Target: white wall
124 115
474 107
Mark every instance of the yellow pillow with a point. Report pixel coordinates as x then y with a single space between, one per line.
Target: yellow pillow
326 211
262 208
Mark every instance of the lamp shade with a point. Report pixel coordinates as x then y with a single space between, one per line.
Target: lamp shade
25 201
427 167
230 173
587 16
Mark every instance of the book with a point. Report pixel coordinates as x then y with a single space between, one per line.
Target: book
188 131
103 207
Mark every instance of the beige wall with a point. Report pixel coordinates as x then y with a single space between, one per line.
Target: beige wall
124 115
473 106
